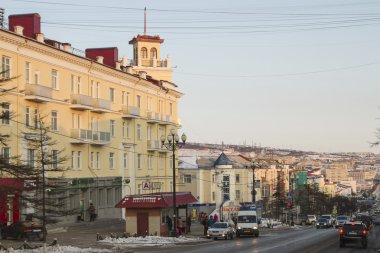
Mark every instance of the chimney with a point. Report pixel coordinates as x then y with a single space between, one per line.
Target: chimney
99 59
129 70
67 47
110 55
30 22
117 65
124 61
40 37
19 30
142 74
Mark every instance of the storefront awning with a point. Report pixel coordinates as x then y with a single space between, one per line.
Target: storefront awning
156 200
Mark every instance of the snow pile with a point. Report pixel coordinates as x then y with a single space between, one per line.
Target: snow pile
149 241
60 249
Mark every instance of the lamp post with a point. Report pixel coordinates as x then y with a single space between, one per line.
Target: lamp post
253 166
173 144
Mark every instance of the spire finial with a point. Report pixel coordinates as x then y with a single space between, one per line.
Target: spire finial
145 21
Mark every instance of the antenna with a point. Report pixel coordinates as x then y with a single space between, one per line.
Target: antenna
145 21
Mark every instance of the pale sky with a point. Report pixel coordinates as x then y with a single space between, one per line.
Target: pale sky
277 73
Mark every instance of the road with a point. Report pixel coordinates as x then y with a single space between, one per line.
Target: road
308 240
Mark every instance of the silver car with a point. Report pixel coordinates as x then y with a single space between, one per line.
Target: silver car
340 220
224 230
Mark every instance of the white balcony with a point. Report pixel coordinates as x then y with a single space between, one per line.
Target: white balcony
82 136
101 105
38 93
153 145
130 111
81 102
153 117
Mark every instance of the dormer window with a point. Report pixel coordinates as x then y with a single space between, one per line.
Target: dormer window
144 53
153 53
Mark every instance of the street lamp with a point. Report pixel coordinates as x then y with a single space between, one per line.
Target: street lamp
253 166
173 144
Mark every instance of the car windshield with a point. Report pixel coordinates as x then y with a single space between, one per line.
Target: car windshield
325 216
341 218
322 220
219 225
311 216
246 219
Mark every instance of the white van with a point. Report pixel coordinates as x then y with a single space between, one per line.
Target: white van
247 222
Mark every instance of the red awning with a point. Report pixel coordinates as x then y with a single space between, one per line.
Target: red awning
156 200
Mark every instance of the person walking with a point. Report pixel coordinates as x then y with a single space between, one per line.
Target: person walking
216 218
188 223
91 211
169 222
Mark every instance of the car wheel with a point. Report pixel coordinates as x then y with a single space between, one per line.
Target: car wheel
214 238
237 235
317 227
303 223
257 235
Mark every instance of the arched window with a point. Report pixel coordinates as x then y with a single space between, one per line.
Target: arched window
144 53
153 53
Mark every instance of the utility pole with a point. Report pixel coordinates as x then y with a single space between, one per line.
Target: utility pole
253 166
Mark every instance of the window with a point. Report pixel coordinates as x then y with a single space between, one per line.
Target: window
5 154
153 53
79 160
112 94
139 161
213 178
112 128
149 133
37 78
92 89
162 162
54 79
111 160
5 119
237 194
27 117
97 159
213 196
110 200
54 121
124 128
97 89
237 178
30 158
54 159
78 84
138 131
144 53
170 109
150 162
149 104
72 84
101 198
125 160
128 127
6 67
171 162
92 160
36 118
72 159
27 72
160 106
187 179
138 101
122 97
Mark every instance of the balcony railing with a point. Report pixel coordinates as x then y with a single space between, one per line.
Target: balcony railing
101 105
153 117
38 93
89 136
153 145
81 102
130 111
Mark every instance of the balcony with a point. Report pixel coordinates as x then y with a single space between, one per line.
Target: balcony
130 111
81 102
153 145
101 105
38 93
166 120
82 136
153 117
154 63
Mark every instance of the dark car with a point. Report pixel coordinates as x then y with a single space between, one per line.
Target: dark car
353 232
322 223
22 230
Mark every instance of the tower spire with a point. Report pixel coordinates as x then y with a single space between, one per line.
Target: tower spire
145 21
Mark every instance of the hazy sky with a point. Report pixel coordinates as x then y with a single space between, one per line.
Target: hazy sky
287 74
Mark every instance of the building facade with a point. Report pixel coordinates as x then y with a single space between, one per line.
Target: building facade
105 112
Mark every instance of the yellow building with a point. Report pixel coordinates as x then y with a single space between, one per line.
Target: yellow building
337 174
108 114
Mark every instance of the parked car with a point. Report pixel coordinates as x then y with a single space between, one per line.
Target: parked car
300 219
340 220
322 223
311 219
353 232
222 230
23 230
330 219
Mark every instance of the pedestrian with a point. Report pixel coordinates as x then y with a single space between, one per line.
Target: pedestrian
179 229
91 211
210 221
169 222
188 222
216 218
204 223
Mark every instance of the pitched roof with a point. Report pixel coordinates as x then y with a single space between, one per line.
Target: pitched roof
223 160
155 200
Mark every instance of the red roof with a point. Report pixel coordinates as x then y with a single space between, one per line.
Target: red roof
156 200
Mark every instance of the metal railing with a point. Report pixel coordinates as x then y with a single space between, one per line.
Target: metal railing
90 136
130 110
38 90
153 144
101 103
80 99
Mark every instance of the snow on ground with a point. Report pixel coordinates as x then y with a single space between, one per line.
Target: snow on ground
149 241
59 249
